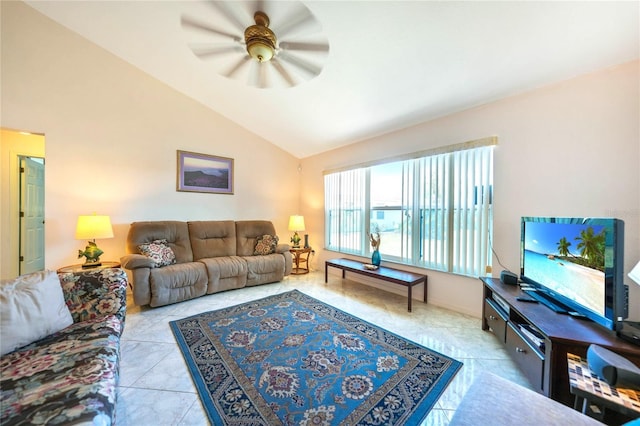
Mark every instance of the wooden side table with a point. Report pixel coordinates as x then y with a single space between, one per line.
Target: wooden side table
79 268
298 259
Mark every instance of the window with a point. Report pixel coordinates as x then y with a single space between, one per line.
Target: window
433 210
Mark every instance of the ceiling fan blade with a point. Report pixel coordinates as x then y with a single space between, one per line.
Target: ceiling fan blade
308 47
232 14
258 75
262 75
305 66
285 75
295 21
190 22
204 50
238 65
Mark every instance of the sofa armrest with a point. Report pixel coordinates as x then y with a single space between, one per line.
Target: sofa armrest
490 390
135 261
282 248
93 294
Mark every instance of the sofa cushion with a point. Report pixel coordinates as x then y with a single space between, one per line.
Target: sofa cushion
175 232
265 245
225 273
69 377
175 283
33 307
212 238
248 232
264 269
158 251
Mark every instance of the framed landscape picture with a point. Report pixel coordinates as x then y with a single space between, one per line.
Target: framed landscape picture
204 173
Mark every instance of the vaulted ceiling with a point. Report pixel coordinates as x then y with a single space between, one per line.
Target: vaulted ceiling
390 64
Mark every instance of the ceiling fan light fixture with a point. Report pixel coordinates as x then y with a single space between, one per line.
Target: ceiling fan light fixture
260 51
260 40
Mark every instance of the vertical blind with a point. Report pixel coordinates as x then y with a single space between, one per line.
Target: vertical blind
345 200
442 219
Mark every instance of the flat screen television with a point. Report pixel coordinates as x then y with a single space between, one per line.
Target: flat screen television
576 264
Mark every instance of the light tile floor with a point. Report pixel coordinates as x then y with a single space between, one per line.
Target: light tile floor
156 388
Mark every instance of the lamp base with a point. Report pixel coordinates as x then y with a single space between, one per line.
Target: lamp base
92 255
296 240
89 265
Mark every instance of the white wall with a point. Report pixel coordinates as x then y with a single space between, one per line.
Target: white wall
112 132
571 149
111 136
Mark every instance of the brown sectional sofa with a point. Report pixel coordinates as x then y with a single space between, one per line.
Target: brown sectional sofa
210 256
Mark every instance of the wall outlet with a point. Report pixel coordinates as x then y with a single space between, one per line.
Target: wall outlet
488 269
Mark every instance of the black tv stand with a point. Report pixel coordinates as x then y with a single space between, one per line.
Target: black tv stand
541 297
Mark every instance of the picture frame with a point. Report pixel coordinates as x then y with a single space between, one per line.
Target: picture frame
204 173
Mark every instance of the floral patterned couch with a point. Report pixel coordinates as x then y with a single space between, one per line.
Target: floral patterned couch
70 377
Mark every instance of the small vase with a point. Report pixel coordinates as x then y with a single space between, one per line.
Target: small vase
375 258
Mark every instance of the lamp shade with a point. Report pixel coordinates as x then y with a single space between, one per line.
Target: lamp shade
635 273
296 223
93 226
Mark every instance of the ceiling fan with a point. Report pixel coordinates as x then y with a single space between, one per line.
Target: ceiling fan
248 45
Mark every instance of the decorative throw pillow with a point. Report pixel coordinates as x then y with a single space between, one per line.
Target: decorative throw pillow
33 307
158 251
266 245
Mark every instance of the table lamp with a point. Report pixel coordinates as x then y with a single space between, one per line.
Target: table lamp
91 227
296 223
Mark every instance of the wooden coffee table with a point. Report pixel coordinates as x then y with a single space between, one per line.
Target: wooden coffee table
396 276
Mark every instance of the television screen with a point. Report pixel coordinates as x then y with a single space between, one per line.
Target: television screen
577 262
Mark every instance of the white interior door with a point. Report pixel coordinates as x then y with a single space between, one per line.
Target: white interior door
31 214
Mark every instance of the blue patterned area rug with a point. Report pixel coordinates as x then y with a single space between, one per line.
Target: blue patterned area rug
290 359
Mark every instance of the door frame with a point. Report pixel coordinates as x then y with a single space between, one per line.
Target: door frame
15 144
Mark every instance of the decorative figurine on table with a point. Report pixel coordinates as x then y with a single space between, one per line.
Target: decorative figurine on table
375 245
92 253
